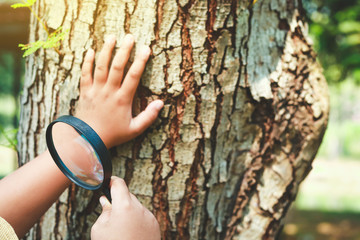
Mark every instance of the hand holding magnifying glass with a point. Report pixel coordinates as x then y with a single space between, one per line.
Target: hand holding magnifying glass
88 164
90 135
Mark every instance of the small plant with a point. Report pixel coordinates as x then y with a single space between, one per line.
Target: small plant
53 39
9 137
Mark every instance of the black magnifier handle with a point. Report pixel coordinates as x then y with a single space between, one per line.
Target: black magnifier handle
105 188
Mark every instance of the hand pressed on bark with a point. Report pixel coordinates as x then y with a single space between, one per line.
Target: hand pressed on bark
110 95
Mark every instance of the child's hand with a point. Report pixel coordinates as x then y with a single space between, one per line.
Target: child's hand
106 98
126 218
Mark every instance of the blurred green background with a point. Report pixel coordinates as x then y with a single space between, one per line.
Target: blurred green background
13 30
328 204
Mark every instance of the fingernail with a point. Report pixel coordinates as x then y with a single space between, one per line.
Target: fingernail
89 53
110 39
145 50
159 105
102 201
129 38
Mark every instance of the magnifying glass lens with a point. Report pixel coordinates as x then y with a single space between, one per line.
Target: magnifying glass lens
82 163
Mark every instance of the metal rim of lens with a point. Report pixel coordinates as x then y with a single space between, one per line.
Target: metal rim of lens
95 141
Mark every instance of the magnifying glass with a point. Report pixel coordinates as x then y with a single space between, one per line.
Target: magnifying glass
80 153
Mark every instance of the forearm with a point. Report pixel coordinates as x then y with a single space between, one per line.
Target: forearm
27 193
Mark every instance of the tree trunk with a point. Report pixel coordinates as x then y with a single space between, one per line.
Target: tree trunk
246 108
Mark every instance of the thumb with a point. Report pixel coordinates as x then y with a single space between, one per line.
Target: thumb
106 206
142 121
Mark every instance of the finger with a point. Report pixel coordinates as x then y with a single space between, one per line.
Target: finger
119 192
106 207
142 121
103 61
136 201
132 78
86 70
119 61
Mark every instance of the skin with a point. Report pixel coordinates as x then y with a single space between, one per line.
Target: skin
126 211
106 105
116 124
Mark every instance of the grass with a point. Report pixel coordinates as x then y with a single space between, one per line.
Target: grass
319 225
331 186
341 140
327 206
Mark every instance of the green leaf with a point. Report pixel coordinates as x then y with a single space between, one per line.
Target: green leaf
351 59
27 3
52 41
10 137
349 26
353 39
31 47
55 38
19 5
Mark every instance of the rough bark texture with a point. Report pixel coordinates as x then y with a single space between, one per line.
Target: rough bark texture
246 109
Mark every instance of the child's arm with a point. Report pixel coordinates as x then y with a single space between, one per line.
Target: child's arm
105 104
28 192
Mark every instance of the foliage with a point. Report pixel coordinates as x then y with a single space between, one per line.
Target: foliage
342 136
27 3
8 109
6 63
10 138
341 140
53 40
335 28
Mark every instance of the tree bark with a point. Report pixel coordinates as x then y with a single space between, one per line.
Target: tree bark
246 108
